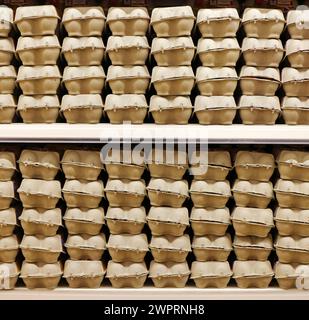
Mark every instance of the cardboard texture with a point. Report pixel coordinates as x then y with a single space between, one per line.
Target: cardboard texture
7 51
295 110
6 16
297 53
7 79
6 194
295 82
7 108
296 18
8 222
13 272
7 165
8 248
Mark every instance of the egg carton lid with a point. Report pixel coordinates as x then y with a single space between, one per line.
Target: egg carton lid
126 185
7 44
125 72
161 44
71 43
181 243
292 187
295 103
40 187
297 17
122 101
210 215
8 71
293 270
207 73
131 242
260 102
296 46
254 159
83 269
168 269
292 215
42 243
81 101
8 243
253 44
136 215
260 72
115 43
214 102
171 73
253 216
28 43
212 242
170 102
179 187
38 101
81 13
7 189
12 267
37 72
85 241
291 74
6 14
209 269
252 268
169 13
8 216
83 72
211 187
7 160
91 188
166 156
126 269
169 215
40 270
205 15
127 13
85 215
7 101
217 44
41 216
218 158
253 242
82 158
48 159
34 12
259 188
293 158
257 14
294 243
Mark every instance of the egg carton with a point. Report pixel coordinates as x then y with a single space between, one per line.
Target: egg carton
7 51
7 80
6 16
295 82
297 53
295 110
296 18
7 108
7 194
8 248
8 222
7 165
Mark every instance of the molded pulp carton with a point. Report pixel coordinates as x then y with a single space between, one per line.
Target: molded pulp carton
8 222
295 82
8 248
6 15
6 194
12 271
295 110
7 79
297 52
295 21
7 108
7 165
7 51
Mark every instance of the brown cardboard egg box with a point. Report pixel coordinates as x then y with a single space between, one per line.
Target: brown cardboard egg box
84 79
36 20
35 164
252 274
8 248
172 21
210 193
126 107
297 53
8 222
126 274
85 247
83 220
219 81
6 16
295 110
7 108
6 194
41 221
127 247
292 222
167 192
81 164
84 51
84 273
292 249
168 221
38 248
218 23
7 165
128 79
124 192
218 52
10 272
215 109
293 165
252 221
125 220
167 163
128 21
212 248
170 109
262 52
127 50
263 23
210 221
41 50
7 80
292 194
210 164
169 81
211 274
293 20
83 21
256 194
38 80
295 82
7 51
252 247
170 248
259 81
41 275
82 193
289 276
173 51
36 193
169 274
252 165
38 108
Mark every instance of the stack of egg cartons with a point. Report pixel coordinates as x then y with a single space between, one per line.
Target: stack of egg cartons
84 77
168 218
295 78
38 49
173 77
252 219
8 241
7 71
39 193
210 218
216 79
260 77
83 193
292 219
128 76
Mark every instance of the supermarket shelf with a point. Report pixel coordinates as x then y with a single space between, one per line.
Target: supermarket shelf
96 133
150 293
